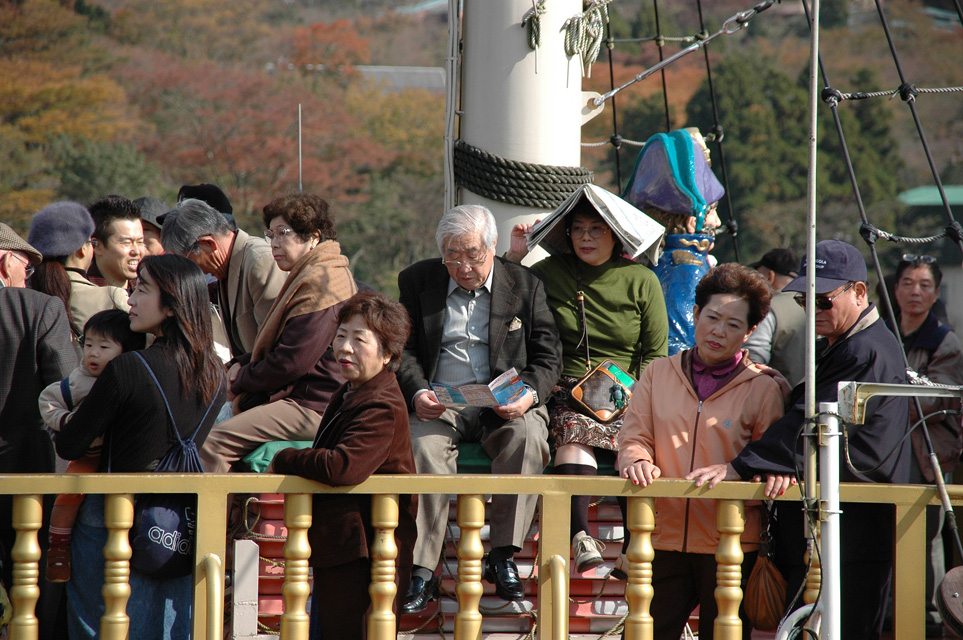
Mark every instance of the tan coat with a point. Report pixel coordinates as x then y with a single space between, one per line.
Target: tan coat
252 284
86 299
667 425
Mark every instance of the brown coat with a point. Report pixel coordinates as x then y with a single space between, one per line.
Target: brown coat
362 432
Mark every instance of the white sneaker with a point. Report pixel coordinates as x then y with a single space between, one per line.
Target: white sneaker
587 551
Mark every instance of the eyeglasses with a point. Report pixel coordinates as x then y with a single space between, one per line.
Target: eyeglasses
912 257
28 268
473 260
821 302
595 231
281 233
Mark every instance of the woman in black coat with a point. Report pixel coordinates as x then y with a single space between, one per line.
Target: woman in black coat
364 430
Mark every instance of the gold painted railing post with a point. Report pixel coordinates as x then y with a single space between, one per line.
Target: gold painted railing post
27 520
118 519
297 551
640 520
471 518
382 624
730 523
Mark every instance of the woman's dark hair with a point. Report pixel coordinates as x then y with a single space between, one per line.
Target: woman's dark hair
51 277
587 210
115 324
306 213
187 334
737 280
385 318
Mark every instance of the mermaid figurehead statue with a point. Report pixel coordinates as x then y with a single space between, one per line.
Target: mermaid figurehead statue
674 184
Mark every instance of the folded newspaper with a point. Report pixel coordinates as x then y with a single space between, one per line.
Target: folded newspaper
639 233
503 390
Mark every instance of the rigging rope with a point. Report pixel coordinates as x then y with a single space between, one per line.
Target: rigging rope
521 183
584 33
733 25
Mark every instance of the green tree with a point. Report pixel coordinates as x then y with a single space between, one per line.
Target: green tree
89 169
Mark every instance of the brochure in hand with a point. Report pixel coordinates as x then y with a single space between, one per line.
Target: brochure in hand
503 390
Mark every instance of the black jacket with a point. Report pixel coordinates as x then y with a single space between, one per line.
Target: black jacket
868 352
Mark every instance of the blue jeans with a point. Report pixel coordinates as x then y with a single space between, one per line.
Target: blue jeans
158 609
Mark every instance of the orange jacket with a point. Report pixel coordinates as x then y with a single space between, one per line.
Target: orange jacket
666 424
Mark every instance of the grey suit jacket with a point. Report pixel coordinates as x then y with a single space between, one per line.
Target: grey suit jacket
521 329
35 351
252 284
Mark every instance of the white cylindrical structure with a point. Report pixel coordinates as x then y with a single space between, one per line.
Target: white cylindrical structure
516 103
829 444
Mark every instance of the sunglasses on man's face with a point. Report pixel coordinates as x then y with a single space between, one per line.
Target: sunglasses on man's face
823 303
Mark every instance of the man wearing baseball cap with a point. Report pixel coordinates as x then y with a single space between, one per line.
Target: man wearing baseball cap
780 339
854 345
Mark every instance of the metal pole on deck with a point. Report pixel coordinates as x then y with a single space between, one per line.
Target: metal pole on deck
829 445
809 486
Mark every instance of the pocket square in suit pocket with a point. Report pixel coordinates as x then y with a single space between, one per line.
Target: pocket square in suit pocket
515 325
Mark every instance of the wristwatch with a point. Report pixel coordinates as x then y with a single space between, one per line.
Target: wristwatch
534 393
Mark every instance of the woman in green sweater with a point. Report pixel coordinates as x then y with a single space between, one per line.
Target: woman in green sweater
626 322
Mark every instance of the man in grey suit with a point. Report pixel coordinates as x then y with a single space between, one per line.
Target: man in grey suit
35 350
248 278
475 316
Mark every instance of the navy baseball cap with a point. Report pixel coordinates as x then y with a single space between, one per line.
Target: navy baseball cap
837 263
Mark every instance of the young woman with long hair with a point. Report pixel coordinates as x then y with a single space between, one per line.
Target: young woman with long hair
129 411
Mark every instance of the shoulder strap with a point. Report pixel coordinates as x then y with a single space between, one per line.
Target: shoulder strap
168 406
65 392
580 298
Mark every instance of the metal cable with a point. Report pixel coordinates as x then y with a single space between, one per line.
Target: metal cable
717 136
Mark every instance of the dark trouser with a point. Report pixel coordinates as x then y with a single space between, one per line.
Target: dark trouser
866 550
683 580
340 602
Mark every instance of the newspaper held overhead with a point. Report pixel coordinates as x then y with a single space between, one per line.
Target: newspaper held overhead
639 233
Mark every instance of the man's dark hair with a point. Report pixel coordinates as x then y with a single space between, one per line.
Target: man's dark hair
920 261
108 209
115 324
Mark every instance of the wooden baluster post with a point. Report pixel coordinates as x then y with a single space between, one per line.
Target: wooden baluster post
730 523
640 520
297 551
118 518
382 624
27 520
471 518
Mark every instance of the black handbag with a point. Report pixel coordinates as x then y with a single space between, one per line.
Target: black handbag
165 524
603 392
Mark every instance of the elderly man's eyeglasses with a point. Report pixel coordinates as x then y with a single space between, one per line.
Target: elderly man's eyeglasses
471 260
595 231
281 233
28 268
822 303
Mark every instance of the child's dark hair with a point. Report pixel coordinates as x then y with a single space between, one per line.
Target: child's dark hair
115 324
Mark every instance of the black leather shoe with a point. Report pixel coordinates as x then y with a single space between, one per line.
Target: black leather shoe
420 593
504 575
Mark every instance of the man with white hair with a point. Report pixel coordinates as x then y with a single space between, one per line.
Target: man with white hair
475 316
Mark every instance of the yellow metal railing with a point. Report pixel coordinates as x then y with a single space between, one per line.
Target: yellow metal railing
555 491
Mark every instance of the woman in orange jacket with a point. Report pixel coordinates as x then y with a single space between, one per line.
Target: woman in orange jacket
691 410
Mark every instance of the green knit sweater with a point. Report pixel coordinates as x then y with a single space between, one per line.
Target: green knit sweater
624 308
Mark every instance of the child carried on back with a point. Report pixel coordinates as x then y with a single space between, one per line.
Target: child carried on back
107 334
